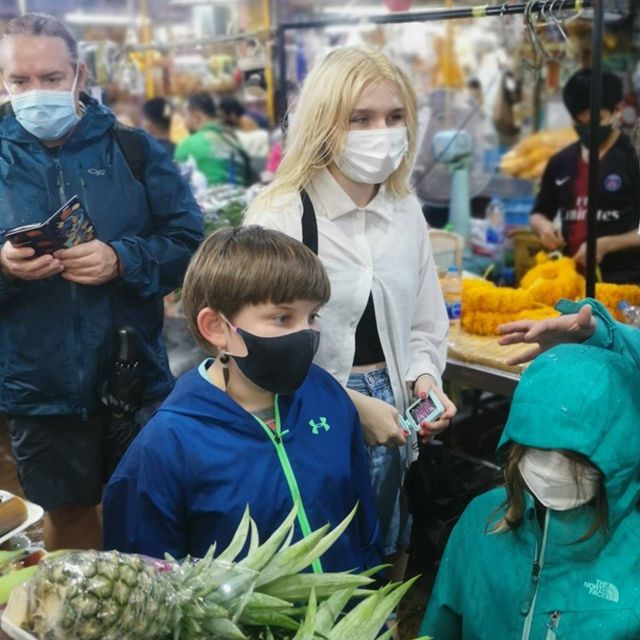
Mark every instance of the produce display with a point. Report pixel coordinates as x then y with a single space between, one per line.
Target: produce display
87 595
529 158
486 306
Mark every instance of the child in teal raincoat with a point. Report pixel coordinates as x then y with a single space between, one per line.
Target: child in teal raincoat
555 554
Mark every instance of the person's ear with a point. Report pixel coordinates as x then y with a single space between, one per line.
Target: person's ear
83 74
213 328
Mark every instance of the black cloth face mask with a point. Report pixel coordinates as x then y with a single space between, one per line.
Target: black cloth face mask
279 364
584 133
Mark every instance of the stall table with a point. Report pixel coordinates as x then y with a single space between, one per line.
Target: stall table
481 363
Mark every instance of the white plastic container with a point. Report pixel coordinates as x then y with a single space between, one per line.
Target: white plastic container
10 621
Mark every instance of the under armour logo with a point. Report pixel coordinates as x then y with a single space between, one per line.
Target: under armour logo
315 427
97 172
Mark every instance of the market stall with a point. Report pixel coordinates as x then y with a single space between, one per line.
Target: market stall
483 148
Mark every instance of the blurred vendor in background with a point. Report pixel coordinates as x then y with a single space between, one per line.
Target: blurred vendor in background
234 116
565 187
156 121
217 152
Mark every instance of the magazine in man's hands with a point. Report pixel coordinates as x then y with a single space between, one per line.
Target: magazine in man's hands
69 226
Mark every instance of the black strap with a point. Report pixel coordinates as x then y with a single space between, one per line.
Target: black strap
309 223
133 147
251 177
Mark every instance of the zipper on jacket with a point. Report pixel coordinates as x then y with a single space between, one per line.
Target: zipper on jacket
554 621
74 303
529 606
276 439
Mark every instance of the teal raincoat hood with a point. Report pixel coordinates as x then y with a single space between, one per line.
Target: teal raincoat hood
549 583
591 405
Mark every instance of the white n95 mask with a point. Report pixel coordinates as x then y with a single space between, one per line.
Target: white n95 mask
370 157
551 478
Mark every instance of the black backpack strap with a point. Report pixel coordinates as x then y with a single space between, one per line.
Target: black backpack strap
251 177
309 223
134 149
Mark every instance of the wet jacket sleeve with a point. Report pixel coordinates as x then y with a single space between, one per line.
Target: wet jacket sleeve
143 502
609 334
370 534
156 264
443 617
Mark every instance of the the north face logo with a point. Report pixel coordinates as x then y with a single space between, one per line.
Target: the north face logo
316 426
604 590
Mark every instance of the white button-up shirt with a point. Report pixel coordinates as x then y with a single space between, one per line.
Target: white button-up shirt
384 249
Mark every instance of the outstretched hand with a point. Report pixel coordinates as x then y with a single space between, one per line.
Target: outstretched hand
545 334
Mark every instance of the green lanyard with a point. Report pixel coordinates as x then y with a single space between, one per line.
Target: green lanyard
276 439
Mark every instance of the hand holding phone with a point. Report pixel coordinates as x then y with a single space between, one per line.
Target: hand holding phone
427 409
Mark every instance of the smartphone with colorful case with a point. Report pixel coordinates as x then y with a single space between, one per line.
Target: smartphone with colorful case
426 409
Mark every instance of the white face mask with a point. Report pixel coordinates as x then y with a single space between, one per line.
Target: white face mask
551 478
370 157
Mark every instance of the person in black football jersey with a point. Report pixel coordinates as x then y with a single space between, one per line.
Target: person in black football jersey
564 189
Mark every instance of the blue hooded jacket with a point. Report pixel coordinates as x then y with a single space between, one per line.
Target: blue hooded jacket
187 478
56 337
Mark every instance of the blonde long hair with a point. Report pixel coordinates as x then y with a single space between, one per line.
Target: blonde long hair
321 120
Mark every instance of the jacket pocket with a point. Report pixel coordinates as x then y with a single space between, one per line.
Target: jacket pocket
612 624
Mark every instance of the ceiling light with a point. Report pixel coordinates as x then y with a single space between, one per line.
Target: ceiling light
103 19
359 11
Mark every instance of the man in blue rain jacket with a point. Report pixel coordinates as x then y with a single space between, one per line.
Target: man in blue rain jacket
59 313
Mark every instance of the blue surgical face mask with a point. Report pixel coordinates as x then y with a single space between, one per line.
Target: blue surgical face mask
48 115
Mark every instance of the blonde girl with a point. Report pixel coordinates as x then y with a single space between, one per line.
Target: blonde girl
344 177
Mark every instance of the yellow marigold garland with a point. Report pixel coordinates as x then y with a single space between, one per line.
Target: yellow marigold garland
550 280
485 306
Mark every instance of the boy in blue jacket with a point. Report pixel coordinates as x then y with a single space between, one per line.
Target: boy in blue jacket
257 425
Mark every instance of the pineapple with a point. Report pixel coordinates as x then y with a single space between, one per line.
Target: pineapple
89 595
96 596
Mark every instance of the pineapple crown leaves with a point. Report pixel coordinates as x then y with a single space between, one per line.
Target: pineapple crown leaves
330 610
298 587
366 619
284 619
308 627
239 538
304 552
282 536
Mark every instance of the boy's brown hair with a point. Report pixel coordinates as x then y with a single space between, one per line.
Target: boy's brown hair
248 266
